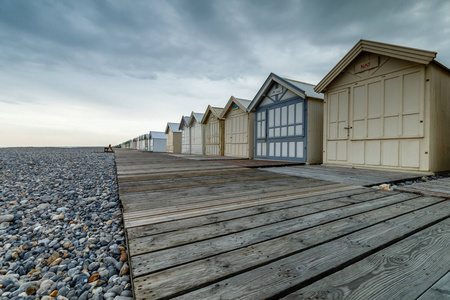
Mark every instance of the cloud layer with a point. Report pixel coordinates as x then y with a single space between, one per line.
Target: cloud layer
136 65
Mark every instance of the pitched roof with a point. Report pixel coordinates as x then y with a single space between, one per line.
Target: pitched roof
302 89
157 135
242 103
216 111
405 53
195 117
184 122
172 127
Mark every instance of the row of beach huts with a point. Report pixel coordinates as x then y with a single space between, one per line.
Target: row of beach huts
382 106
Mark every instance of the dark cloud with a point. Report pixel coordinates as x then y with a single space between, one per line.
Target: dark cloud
201 38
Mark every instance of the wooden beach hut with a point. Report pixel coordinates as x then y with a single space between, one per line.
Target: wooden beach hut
288 121
387 106
197 133
239 128
157 141
173 137
214 131
185 135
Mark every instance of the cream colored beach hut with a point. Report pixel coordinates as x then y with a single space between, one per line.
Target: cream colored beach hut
185 135
239 128
173 138
387 106
288 121
197 133
214 131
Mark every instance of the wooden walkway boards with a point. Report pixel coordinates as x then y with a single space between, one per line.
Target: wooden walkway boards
206 230
364 177
439 188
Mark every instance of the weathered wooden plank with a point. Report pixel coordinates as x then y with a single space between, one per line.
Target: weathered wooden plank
210 270
192 183
153 261
348 195
293 272
211 209
441 289
402 271
172 197
294 209
192 174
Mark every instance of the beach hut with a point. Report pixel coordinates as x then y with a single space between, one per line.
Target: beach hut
288 121
173 138
142 142
197 133
239 128
214 131
185 135
157 141
387 106
135 143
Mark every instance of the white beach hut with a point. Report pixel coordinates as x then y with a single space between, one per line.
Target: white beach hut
173 138
214 131
197 133
157 141
185 135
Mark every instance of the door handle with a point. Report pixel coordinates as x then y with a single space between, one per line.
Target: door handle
348 127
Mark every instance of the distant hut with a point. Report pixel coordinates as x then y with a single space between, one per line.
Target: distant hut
157 141
214 131
185 135
173 138
197 133
239 128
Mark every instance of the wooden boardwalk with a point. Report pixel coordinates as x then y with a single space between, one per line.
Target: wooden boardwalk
364 177
439 188
207 230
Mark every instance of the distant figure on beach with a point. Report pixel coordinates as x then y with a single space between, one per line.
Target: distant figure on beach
108 149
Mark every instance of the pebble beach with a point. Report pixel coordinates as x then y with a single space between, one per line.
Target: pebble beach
61 231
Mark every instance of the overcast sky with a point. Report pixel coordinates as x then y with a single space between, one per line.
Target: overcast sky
75 73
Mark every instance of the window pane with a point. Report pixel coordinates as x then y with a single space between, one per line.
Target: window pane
263 129
283 131
284 149
291 149
300 149
291 114
271 132
291 130
263 149
284 115
299 130
271 118
271 152
299 113
258 149
277 116
277 149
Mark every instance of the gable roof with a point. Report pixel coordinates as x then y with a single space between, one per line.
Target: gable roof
157 135
211 110
299 88
400 52
242 103
172 127
195 117
184 122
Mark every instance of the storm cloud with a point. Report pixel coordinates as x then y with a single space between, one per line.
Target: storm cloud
138 64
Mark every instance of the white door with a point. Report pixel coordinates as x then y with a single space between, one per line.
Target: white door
236 139
338 128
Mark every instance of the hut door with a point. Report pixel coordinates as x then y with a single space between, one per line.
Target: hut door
338 126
